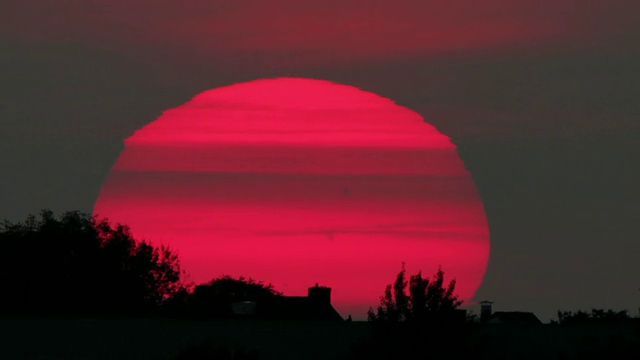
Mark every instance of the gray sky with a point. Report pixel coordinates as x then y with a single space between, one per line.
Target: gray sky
540 97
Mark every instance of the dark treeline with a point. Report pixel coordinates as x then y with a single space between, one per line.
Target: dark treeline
594 317
79 265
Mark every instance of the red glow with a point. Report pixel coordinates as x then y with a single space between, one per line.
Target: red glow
296 181
312 32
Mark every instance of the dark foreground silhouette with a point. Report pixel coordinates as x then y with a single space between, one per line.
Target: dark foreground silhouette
76 287
77 265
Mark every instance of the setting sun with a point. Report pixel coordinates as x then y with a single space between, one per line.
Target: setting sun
296 181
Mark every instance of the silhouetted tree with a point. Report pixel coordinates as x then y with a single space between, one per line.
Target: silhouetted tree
596 316
427 300
605 345
80 265
215 297
229 288
417 319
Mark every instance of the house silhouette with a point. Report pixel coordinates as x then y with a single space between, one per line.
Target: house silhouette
487 316
514 318
315 306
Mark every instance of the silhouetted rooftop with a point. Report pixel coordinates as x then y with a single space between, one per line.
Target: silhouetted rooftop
297 308
514 318
316 306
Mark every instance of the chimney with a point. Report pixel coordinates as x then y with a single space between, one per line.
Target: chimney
320 295
485 310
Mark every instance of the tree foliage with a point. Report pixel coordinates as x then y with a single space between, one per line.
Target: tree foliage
228 288
426 300
595 316
78 264
214 299
417 319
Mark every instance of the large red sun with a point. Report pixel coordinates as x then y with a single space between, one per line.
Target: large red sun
297 181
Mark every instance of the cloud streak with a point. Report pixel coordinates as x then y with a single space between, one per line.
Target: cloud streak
312 32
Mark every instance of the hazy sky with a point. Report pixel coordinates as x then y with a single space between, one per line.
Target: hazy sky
540 97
